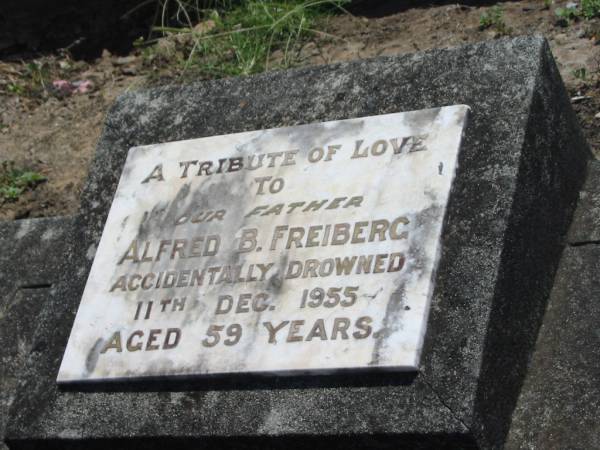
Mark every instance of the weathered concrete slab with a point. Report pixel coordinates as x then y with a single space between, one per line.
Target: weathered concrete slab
560 402
520 169
31 261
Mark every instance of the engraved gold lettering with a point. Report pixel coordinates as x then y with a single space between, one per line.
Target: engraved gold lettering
273 330
156 174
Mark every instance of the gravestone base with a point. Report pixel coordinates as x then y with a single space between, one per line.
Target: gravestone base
521 165
560 399
32 259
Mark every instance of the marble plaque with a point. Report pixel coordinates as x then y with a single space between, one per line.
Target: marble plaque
305 249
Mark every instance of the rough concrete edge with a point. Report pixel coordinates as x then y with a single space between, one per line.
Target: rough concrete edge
546 61
471 421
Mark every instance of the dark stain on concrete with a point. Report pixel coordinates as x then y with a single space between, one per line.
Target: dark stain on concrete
92 357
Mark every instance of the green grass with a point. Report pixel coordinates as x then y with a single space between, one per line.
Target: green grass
15 88
590 8
580 73
566 15
236 39
494 19
33 80
15 181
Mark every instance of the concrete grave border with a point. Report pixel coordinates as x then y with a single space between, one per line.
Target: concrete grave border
521 166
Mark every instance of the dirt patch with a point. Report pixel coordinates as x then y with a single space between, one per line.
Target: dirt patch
57 136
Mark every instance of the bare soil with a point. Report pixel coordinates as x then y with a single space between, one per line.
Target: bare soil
57 134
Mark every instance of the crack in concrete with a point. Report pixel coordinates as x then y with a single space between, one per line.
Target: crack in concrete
439 397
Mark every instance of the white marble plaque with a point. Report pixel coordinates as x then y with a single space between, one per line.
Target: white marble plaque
294 250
